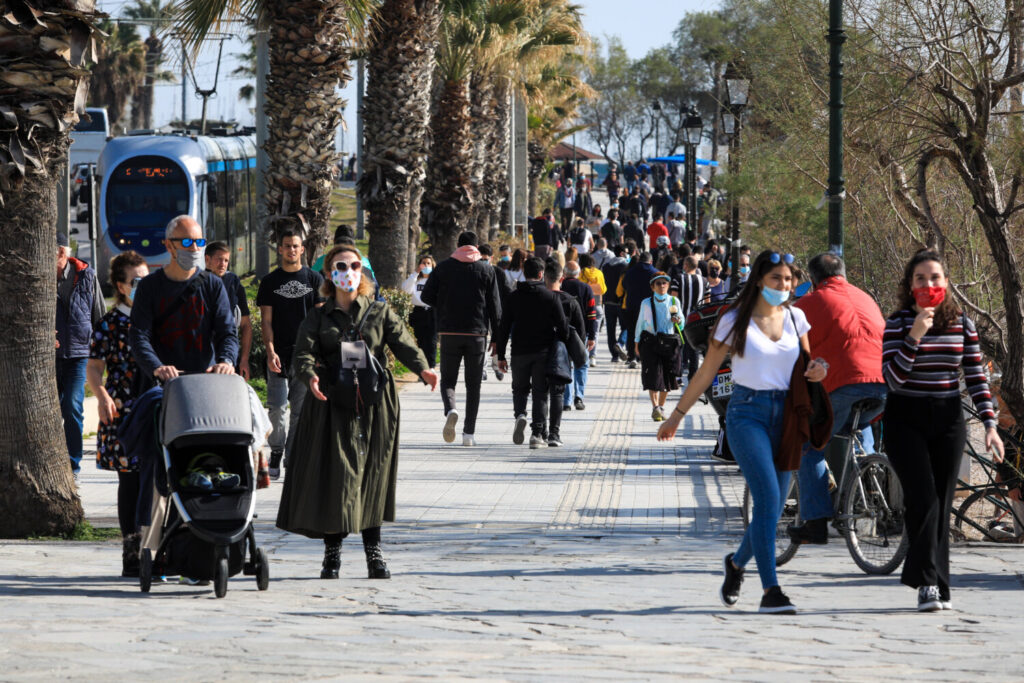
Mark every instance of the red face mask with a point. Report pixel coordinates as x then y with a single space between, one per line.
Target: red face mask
929 297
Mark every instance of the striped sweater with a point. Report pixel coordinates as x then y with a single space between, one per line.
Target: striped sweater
931 368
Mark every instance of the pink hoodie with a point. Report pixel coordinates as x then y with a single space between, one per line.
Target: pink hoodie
466 254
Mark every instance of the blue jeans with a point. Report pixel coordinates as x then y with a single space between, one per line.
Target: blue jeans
753 425
815 501
71 394
578 386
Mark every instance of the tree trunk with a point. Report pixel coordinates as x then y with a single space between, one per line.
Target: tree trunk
154 56
538 157
309 50
396 111
447 195
415 198
37 491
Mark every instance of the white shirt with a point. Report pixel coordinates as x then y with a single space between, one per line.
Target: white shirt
588 243
677 208
765 364
414 286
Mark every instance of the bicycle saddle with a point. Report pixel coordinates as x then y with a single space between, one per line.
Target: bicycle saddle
866 405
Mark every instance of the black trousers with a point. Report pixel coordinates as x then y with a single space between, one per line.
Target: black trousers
371 536
424 328
529 375
612 324
454 349
924 439
556 394
690 360
566 215
629 316
127 502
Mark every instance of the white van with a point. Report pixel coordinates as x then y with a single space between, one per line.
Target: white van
89 137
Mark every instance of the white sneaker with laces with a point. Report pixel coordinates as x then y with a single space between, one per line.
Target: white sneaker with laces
449 426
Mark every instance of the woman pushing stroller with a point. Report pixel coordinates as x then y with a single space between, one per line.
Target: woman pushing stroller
343 475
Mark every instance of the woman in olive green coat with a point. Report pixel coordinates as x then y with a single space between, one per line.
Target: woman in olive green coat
344 464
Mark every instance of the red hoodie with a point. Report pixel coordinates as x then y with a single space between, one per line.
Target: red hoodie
846 330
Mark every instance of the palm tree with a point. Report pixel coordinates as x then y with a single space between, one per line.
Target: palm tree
119 73
42 90
470 32
157 15
309 44
396 115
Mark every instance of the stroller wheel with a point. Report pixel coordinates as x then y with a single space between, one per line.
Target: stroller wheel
262 570
145 569
220 578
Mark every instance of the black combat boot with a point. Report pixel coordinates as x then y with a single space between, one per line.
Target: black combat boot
376 567
332 559
130 556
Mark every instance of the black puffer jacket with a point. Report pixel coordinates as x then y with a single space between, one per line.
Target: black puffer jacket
533 319
464 290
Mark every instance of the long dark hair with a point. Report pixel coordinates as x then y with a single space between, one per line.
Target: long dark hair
747 299
947 312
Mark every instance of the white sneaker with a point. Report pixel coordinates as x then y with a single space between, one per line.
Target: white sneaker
468 440
593 362
520 431
449 426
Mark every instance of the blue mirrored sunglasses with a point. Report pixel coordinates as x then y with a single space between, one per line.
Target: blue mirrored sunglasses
188 241
776 257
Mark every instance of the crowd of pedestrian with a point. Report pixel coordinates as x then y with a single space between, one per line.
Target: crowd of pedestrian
537 312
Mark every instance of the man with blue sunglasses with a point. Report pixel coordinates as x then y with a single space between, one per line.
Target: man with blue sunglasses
181 318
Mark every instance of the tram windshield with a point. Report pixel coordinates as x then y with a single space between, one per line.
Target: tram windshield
145 192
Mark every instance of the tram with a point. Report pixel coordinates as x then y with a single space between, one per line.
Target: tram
146 180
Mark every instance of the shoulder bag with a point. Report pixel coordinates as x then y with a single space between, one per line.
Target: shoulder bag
358 378
665 345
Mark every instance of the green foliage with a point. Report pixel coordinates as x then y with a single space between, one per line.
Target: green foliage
84 531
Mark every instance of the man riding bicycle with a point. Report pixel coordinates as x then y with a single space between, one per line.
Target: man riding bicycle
846 331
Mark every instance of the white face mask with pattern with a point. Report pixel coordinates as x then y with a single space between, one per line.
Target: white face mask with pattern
347 281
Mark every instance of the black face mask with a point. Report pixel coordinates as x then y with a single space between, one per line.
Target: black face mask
714 272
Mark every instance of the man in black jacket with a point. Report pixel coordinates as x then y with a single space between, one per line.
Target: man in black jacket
574 392
615 324
534 320
464 290
574 316
544 233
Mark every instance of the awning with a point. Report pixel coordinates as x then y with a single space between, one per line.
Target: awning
681 158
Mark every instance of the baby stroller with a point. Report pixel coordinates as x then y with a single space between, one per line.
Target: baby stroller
206 471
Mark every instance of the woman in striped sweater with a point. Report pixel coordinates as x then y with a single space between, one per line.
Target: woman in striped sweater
926 345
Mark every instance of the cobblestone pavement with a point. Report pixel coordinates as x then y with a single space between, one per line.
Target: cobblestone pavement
599 560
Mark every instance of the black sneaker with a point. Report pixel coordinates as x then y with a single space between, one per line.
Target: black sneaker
275 464
520 431
578 404
928 599
812 532
776 602
730 590
621 352
554 440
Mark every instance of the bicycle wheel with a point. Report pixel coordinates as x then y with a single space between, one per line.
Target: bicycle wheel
873 511
785 549
987 515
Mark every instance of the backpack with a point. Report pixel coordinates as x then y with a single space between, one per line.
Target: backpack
578 236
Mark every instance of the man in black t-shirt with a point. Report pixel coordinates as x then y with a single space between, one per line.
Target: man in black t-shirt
218 258
285 297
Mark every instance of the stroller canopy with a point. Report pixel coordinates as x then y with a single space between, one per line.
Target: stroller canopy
206 408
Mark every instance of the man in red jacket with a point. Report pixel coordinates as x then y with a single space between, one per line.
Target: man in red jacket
846 331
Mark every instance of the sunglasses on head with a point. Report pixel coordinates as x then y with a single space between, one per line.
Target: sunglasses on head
342 266
776 257
189 241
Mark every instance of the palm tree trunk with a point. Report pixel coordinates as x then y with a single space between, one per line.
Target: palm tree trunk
396 111
37 492
537 157
481 89
309 50
447 196
415 201
154 51
501 150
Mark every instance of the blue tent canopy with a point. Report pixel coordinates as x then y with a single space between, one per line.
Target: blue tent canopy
681 158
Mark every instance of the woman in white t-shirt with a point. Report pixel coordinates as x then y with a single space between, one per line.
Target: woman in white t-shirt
764 335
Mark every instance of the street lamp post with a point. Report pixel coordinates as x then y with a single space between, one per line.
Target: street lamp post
737 89
693 131
656 106
836 181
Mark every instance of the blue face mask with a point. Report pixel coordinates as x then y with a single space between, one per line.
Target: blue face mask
661 297
131 294
744 270
774 296
426 270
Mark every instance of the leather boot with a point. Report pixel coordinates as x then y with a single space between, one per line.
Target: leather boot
130 556
813 532
376 567
332 560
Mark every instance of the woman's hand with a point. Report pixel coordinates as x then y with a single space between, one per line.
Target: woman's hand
108 409
314 388
816 371
429 377
922 323
667 430
994 445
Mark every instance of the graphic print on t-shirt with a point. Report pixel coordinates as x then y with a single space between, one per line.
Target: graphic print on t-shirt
293 289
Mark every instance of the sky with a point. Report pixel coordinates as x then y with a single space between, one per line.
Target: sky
639 30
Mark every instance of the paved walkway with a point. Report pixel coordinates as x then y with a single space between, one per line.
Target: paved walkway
599 560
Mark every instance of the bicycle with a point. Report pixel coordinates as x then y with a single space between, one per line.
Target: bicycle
868 508
993 510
